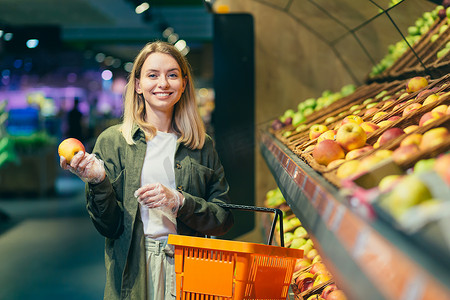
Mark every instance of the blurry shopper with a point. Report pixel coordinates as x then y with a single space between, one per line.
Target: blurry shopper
157 173
75 121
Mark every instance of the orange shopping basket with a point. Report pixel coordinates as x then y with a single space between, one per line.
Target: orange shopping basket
208 268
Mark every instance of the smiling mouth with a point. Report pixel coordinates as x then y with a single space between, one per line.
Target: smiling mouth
162 94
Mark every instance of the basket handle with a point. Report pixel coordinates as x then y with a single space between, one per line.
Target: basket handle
278 215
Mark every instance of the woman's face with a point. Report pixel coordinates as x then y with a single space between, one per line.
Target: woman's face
161 83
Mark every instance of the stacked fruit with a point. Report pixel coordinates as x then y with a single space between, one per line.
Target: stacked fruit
309 106
311 279
411 136
420 28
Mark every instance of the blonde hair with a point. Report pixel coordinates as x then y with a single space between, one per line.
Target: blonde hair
186 120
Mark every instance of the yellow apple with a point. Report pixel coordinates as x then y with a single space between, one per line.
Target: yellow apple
369 126
388 181
415 84
69 148
385 123
434 137
348 168
327 135
410 128
316 130
378 115
414 138
441 108
351 136
430 99
336 163
352 118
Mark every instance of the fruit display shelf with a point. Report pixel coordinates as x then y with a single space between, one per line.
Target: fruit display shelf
368 258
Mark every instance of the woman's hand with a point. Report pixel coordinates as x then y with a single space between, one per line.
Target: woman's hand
157 195
86 166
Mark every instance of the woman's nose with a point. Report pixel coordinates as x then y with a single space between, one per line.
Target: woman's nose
163 83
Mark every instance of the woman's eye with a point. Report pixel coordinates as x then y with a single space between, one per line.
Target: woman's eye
173 75
152 75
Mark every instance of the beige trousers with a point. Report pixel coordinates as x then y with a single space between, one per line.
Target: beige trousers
160 270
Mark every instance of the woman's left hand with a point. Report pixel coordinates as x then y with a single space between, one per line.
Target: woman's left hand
157 195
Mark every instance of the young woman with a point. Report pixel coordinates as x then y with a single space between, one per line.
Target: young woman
157 173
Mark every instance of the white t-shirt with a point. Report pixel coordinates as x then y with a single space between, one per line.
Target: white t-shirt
159 168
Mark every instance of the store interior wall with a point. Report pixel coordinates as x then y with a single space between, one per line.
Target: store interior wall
292 64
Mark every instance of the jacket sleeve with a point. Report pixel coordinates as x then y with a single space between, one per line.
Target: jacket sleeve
103 205
202 214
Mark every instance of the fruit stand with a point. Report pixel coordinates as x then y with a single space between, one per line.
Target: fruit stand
366 171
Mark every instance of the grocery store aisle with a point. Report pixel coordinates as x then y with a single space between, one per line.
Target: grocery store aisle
49 248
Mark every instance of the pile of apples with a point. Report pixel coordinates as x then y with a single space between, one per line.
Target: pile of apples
341 146
309 106
311 276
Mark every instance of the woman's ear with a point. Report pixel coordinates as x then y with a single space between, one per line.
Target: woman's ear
137 86
184 83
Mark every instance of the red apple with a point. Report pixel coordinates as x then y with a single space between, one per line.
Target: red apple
328 289
415 84
403 153
369 126
370 111
316 130
327 135
411 108
69 148
326 151
304 281
351 136
390 134
434 137
394 118
336 295
429 117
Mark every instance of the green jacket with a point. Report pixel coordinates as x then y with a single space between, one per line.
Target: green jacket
114 210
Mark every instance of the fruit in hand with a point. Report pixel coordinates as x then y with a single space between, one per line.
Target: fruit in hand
69 148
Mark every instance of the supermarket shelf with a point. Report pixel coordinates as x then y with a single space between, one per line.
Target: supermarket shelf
369 259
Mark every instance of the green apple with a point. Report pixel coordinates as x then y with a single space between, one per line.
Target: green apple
408 192
424 165
297 243
300 232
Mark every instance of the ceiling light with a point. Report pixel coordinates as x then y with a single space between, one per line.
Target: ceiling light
8 36
32 43
142 7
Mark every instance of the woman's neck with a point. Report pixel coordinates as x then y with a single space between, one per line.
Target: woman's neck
161 121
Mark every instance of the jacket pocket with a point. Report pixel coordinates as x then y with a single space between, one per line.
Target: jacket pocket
199 178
